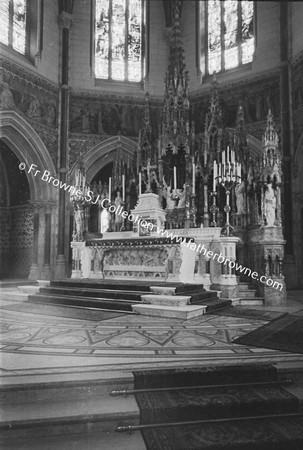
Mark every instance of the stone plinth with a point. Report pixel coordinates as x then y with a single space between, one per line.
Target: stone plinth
266 250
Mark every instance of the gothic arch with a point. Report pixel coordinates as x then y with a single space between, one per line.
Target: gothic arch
29 148
103 153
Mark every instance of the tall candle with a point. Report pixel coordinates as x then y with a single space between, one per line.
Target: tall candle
223 157
194 178
175 177
123 188
140 181
215 176
227 155
233 157
110 188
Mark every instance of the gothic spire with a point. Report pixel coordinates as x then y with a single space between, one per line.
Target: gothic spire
175 130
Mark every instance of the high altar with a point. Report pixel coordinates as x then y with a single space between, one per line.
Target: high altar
210 189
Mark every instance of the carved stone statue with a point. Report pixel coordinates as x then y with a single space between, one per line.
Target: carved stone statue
240 198
79 220
118 217
170 204
270 203
6 97
105 220
182 199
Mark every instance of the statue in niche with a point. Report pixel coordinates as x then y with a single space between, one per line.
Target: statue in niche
270 203
182 198
118 217
79 221
6 97
105 220
167 193
240 198
170 204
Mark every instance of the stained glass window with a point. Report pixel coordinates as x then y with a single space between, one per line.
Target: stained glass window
13 24
230 34
118 39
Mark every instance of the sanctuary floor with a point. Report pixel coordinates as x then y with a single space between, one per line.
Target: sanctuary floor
59 371
39 347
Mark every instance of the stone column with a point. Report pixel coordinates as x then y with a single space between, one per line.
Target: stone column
65 21
46 272
34 270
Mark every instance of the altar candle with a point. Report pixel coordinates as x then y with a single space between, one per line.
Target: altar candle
140 181
194 178
123 188
223 157
227 155
205 156
110 188
215 176
175 177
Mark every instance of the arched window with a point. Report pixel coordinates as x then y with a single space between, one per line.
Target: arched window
21 26
229 34
14 24
119 39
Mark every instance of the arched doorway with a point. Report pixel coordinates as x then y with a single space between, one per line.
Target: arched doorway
16 217
99 164
28 204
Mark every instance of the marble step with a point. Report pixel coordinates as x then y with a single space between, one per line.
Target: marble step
168 300
214 304
48 418
66 386
89 302
89 441
174 290
13 295
253 301
176 312
132 285
97 293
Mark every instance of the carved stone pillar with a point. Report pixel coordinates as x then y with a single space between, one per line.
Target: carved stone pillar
34 270
65 21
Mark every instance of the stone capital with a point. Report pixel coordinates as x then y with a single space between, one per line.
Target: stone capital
65 20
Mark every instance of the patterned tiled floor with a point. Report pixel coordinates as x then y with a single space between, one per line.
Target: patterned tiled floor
35 343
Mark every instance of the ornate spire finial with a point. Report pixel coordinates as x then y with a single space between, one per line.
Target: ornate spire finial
176 129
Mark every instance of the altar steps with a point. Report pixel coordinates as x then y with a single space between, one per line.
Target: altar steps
85 302
175 300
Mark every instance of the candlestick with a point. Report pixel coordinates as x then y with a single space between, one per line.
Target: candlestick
223 157
175 177
110 188
227 154
140 181
215 176
205 157
194 178
123 188
233 156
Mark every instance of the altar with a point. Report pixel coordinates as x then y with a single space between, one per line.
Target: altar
203 194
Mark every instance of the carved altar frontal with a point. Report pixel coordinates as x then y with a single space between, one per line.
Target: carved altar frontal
153 258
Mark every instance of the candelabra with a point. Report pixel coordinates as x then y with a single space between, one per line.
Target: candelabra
228 175
213 209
